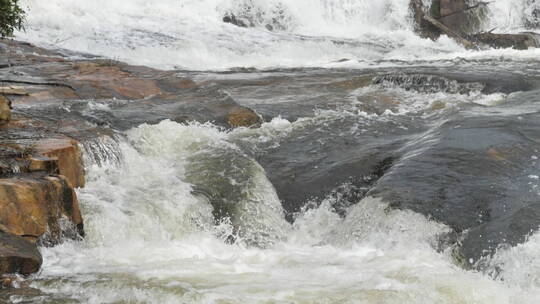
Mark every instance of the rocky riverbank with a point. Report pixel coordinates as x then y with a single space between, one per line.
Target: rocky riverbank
40 143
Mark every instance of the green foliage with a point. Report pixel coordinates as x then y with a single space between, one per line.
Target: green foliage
11 17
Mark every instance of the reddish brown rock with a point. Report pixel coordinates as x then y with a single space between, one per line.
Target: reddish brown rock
5 110
68 155
17 255
110 77
156 95
42 163
243 117
39 207
40 94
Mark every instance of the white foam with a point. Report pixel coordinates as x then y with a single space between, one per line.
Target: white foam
190 34
149 240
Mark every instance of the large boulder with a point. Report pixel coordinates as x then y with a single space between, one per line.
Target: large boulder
453 14
18 255
461 20
422 26
40 208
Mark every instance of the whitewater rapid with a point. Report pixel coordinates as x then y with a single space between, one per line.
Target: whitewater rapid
149 207
151 240
190 34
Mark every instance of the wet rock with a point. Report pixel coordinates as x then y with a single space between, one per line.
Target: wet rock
5 110
231 18
457 15
428 83
11 281
17 255
68 155
237 188
447 7
353 83
424 28
112 79
243 117
517 41
473 174
378 103
13 90
251 14
42 163
40 207
455 18
67 89
316 159
437 105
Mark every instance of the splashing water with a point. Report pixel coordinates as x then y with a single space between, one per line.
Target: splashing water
180 214
190 34
151 240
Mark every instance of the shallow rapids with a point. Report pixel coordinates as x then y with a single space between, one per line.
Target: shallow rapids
389 168
151 239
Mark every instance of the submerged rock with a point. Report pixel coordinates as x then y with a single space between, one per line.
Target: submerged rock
378 103
18 255
237 188
424 83
243 117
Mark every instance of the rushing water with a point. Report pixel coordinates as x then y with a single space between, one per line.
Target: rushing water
151 240
189 34
365 185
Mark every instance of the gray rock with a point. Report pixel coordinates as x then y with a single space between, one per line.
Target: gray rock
520 41
18 255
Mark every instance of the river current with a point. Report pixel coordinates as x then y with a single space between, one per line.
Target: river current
389 169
